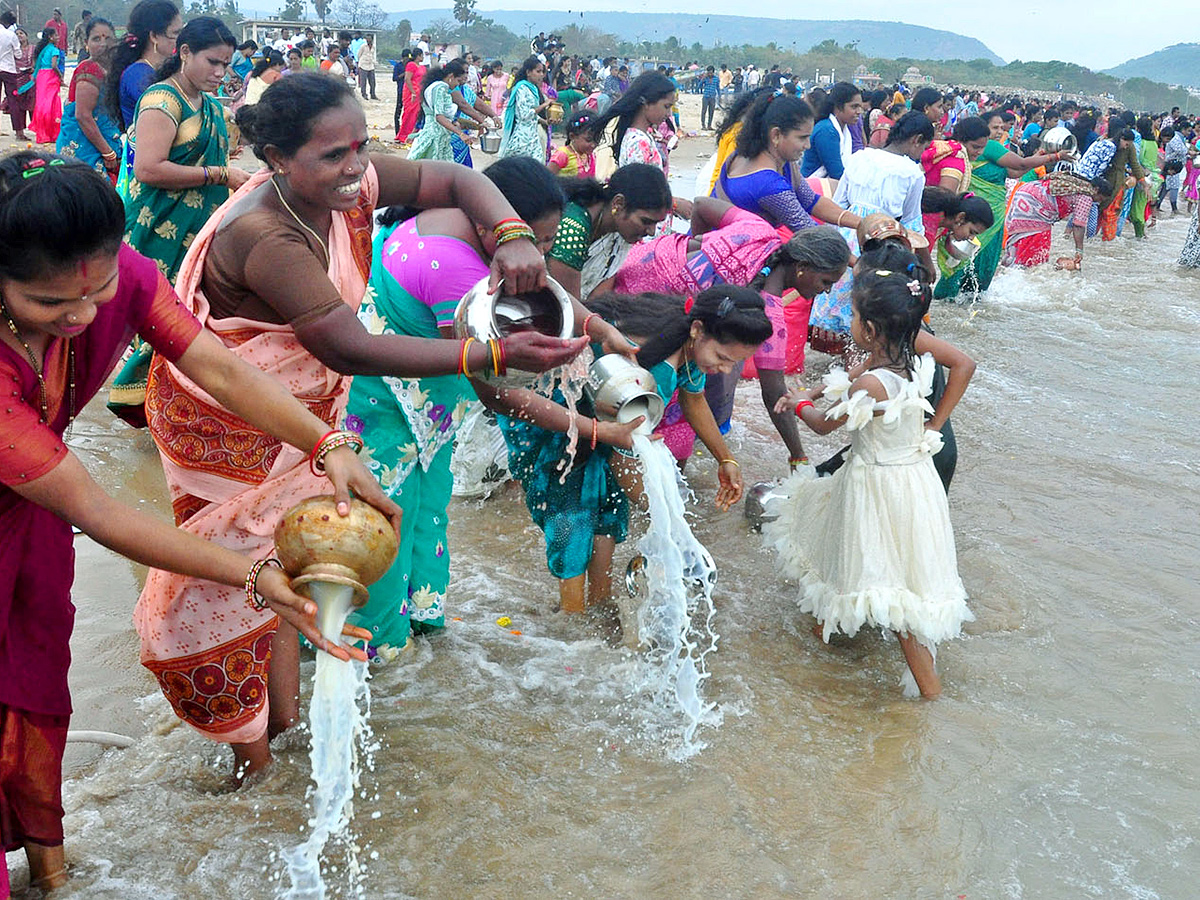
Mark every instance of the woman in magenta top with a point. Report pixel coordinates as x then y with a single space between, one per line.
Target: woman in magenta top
71 298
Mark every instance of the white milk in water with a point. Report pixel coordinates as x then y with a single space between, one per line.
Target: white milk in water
675 620
338 713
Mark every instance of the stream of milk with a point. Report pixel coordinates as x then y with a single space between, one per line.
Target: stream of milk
338 722
676 619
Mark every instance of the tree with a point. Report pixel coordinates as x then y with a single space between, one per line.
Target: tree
322 8
291 11
359 13
464 12
404 30
441 30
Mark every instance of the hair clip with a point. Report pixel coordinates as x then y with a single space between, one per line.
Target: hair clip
914 287
131 39
766 270
968 195
883 273
910 269
688 304
727 306
37 166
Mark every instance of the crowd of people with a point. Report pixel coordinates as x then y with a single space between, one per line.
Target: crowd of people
265 326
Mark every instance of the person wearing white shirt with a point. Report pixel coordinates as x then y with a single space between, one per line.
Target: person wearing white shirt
10 80
366 67
284 42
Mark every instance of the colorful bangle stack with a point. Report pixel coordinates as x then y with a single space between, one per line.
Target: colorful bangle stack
586 321
512 229
499 361
463 368
800 406
331 441
252 596
794 461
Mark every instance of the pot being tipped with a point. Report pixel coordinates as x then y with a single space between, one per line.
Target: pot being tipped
1059 139
485 315
490 143
315 544
620 391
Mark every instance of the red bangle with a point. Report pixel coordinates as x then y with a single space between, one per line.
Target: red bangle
800 406
312 456
595 432
586 320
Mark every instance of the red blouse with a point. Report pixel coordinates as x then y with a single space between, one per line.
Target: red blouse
36 554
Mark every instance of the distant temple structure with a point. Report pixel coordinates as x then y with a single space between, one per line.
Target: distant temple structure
912 75
866 79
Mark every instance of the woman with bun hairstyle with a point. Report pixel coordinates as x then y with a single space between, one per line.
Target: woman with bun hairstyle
278 274
584 511
761 176
600 222
71 297
181 171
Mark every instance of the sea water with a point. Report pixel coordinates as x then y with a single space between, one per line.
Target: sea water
675 621
338 715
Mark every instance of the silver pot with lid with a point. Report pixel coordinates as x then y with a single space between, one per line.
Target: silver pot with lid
486 315
620 391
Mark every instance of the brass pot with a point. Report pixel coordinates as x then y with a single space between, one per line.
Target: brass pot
314 543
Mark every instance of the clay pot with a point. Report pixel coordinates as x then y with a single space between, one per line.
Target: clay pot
314 543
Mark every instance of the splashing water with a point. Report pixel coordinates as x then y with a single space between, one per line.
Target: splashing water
338 714
680 578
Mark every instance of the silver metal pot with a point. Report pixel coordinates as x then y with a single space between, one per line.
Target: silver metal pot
485 315
489 142
1059 139
620 391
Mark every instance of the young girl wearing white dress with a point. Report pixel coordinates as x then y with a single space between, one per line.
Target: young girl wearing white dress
873 545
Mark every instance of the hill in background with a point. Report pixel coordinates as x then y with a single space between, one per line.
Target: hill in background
887 39
1177 64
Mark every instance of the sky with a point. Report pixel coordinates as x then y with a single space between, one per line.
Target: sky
1098 34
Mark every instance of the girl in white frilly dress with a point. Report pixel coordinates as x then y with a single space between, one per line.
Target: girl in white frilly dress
873 545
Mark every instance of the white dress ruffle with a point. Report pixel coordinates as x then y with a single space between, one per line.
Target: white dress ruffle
873 544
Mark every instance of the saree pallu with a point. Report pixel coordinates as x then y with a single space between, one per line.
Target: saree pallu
410 424
47 107
71 139
162 223
977 275
230 483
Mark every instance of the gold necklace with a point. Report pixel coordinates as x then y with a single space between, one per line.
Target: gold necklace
299 220
33 364
186 98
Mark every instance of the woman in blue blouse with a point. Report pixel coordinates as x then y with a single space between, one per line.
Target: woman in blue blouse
832 140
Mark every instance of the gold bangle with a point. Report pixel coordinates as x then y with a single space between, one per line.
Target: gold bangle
734 461
839 218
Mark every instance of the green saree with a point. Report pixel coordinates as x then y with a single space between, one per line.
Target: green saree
161 223
987 181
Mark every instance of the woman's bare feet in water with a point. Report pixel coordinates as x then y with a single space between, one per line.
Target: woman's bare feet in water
47 866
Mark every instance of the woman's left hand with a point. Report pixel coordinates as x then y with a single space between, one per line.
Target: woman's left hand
521 266
346 472
683 208
729 474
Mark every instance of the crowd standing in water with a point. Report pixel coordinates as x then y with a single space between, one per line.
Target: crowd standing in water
278 327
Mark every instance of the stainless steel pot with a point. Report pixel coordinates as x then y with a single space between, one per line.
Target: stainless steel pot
758 501
485 315
489 142
620 391
1059 139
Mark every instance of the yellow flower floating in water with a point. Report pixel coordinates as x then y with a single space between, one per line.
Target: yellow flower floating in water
504 621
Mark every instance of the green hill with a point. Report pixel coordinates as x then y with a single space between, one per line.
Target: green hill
1177 64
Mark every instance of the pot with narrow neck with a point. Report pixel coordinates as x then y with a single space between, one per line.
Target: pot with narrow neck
320 549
